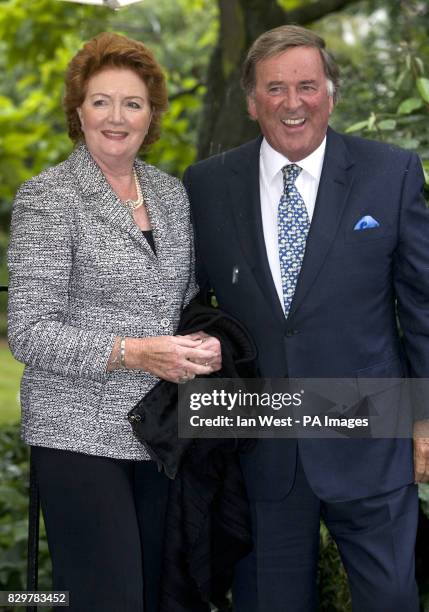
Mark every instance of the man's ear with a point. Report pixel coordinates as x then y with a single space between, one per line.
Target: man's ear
251 107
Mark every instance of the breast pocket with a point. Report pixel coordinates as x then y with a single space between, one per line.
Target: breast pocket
367 235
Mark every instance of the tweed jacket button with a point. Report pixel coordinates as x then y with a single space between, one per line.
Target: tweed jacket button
165 322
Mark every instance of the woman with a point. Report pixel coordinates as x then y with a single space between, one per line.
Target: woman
101 266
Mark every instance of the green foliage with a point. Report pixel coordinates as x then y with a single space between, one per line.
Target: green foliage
13 515
409 105
10 376
423 88
182 35
293 4
37 40
405 114
334 594
383 51
424 498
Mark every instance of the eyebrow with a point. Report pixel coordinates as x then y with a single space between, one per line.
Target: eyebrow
108 96
304 82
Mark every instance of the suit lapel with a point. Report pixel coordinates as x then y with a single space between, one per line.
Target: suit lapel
334 187
246 207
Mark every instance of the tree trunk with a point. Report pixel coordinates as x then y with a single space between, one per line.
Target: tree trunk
224 121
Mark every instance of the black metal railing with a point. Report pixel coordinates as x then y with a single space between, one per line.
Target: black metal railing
33 526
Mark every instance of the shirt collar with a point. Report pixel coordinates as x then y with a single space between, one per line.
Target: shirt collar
273 161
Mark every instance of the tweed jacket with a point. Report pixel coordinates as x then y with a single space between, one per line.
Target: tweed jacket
82 273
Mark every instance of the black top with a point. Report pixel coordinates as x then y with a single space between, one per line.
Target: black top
149 237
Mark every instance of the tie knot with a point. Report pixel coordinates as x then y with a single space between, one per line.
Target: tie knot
290 173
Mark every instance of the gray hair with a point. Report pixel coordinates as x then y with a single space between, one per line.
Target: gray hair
281 39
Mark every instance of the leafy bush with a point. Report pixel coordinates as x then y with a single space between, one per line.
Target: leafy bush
13 516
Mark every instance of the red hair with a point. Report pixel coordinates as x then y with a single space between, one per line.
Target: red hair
109 50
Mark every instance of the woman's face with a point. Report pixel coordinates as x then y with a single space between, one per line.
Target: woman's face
115 115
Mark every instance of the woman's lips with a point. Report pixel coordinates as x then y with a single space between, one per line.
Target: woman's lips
114 135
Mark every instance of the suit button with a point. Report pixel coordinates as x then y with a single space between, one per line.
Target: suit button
165 323
291 332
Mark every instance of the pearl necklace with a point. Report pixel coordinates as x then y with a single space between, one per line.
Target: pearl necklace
134 204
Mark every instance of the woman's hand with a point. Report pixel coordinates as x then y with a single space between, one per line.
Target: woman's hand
173 358
209 343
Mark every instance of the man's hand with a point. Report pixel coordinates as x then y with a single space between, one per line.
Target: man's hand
421 451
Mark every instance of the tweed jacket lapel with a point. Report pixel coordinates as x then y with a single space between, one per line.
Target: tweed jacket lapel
99 194
156 207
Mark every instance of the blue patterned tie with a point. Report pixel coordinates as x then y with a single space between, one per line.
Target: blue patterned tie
293 225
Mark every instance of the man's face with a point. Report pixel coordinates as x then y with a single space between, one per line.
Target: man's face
291 101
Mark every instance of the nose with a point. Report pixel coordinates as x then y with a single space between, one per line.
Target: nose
292 100
116 112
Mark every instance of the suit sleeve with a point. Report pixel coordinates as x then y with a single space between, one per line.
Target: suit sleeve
40 262
411 279
200 271
192 288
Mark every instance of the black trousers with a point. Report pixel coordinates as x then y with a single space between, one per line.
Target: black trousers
104 520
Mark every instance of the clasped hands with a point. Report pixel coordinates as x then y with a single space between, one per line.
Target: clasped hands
175 358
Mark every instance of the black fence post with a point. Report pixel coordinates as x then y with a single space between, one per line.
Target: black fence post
33 526
33 534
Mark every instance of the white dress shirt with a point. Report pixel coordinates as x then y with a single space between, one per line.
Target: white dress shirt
271 163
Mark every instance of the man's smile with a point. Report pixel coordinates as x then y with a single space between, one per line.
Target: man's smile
293 122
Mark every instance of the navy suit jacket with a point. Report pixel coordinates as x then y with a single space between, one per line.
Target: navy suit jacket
342 322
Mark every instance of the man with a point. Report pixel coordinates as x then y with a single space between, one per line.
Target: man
312 239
